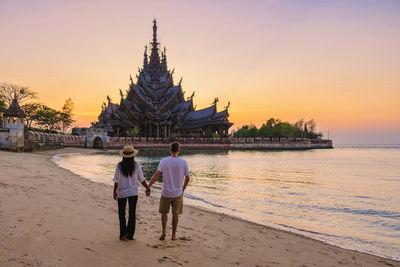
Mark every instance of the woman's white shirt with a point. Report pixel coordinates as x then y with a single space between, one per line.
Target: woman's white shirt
128 186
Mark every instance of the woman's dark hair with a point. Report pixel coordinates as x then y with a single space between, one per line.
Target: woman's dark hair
127 166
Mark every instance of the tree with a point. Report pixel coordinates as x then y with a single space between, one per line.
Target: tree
242 132
44 117
66 115
272 122
253 131
287 130
2 107
49 118
68 106
23 93
265 130
311 125
31 113
299 124
276 128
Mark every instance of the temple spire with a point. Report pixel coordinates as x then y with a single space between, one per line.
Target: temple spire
145 58
155 31
154 65
164 67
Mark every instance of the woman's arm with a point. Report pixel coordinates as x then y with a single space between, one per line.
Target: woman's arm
115 191
141 177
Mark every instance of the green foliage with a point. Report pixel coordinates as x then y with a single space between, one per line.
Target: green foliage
66 115
48 119
2 107
31 111
215 135
276 128
133 132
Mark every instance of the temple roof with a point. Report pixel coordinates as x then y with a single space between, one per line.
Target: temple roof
173 90
14 110
182 106
198 118
205 117
220 115
201 113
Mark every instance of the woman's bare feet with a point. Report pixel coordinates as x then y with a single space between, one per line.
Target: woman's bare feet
173 237
162 237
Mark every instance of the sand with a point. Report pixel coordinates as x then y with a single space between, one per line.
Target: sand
52 217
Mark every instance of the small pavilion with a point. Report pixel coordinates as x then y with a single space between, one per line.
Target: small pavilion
14 124
14 113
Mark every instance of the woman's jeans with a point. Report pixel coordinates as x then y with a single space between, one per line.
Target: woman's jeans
129 229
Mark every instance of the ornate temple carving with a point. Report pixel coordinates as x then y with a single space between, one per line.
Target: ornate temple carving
156 107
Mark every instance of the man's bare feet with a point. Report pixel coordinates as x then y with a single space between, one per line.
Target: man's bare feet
162 237
173 237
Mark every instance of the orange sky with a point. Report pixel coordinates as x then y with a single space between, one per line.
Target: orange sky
335 61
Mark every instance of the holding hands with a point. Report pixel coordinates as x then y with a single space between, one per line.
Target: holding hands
147 186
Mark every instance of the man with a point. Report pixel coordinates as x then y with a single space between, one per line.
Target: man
174 169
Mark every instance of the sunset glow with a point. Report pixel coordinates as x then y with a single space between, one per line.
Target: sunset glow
337 62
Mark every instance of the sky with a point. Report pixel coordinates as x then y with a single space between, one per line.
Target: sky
337 62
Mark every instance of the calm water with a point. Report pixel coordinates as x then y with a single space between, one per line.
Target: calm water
347 196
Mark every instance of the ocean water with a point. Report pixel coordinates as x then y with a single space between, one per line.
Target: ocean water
348 196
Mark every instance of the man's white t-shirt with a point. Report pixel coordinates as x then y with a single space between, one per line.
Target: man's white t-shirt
127 186
174 170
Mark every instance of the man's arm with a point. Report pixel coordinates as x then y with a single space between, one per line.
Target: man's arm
187 179
115 191
154 178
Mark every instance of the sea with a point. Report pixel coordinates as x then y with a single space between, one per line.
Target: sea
348 196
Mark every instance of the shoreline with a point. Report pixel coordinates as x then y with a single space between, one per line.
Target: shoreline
234 217
30 215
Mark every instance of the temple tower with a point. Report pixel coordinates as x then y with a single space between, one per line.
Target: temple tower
154 65
156 107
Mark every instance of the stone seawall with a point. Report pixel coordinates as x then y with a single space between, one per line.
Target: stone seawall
42 141
4 137
223 143
12 137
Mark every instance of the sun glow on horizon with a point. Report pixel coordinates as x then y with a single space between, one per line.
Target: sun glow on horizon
334 62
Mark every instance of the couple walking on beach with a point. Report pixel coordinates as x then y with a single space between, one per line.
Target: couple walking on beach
128 172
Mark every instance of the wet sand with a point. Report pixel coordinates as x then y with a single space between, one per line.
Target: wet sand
52 217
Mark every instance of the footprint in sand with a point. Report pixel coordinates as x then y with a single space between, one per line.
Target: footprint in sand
161 260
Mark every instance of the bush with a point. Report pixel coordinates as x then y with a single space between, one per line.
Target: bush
276 128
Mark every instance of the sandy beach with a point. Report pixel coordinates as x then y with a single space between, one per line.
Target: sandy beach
52 217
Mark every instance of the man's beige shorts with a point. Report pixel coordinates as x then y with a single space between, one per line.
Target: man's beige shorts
176 202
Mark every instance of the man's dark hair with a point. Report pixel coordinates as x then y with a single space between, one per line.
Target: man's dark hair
174 147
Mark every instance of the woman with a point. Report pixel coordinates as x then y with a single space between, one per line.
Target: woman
127 174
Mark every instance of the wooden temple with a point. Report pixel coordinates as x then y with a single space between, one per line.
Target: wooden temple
156 107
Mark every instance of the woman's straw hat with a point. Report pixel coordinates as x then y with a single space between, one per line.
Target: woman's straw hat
128 152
